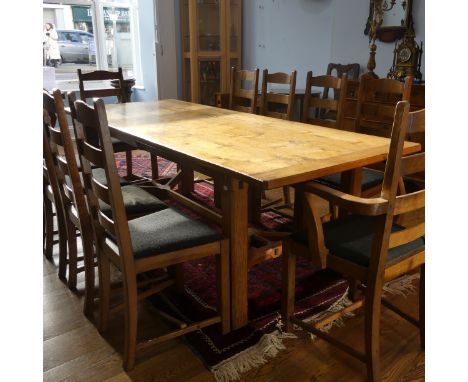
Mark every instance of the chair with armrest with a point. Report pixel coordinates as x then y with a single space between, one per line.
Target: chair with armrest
52 205
120 93
367 246
160 240
68 169
375 109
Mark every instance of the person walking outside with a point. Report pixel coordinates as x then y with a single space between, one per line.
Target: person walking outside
51 47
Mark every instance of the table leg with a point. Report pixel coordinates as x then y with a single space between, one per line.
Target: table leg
235 226
186 181
299 202
351 184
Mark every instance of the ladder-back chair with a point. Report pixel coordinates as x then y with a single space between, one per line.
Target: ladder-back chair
121 94
156 241
52 200
279 104
350 70
323 111
240 98
368 246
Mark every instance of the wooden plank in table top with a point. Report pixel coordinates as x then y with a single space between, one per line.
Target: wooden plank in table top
252 147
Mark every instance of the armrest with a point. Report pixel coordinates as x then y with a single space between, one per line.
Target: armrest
355 204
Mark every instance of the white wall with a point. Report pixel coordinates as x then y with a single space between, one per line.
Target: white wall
282 35
147 52
349 44
287 34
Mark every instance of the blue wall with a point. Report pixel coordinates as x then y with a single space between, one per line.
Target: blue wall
282 35
148 58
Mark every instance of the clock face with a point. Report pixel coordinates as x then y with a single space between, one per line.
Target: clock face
404 54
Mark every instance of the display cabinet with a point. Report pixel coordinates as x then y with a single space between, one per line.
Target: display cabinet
211 33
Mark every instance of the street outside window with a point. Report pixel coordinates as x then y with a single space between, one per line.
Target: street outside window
89 35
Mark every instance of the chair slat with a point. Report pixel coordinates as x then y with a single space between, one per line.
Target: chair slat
327 81
409 202
55 136
106 223
101 191
243 93
92 154
406 236
279 78
324 104
278 98
114 92
412 164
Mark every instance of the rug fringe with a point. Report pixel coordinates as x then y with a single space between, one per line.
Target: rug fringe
271 344
403 285
268 347
340 304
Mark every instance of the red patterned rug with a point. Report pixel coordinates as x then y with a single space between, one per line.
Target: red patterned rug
251 346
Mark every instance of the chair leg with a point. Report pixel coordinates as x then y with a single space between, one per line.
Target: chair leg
49 229
131 322
289 286
422 296
223 287
177 272
104 291
128 157
72 255
88 250
286 195
63 239
372 331
353 284
154 167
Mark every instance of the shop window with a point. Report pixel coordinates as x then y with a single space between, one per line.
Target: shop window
92 34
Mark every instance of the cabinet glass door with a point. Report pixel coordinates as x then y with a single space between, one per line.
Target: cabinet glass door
210 80
185 26
208 18
234 25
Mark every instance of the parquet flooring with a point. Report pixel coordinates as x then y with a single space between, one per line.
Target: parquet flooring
73 350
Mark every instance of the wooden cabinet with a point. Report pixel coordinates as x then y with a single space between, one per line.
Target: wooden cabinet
211 33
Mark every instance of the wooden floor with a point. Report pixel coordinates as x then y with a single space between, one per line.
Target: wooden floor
74 350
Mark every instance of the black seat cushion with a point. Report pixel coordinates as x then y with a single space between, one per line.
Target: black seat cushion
120 146
370 178
351 239
167 231
100 175
136 201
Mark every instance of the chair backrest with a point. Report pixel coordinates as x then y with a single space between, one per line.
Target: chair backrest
376 104
399 166
102 75
242 99
100 154
322 109
350 70
279 100
63 151
48 166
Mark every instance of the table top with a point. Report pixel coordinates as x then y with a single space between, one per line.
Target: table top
250 147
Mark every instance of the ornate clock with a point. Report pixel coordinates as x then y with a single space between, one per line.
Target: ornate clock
406 57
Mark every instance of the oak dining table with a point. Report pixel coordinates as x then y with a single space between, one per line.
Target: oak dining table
242 150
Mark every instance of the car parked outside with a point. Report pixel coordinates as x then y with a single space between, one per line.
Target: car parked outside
76 46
